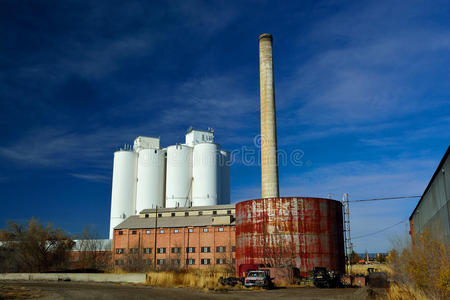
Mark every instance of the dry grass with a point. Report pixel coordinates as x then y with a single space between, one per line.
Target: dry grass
423 266
16 292
206 280
362 269
405 292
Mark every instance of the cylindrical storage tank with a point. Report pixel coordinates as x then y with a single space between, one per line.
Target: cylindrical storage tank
123 194
150 179
300 232
178 176
224 178
205 171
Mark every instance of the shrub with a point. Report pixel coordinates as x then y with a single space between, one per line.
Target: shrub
423 265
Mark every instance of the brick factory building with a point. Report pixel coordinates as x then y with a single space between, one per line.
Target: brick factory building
197 237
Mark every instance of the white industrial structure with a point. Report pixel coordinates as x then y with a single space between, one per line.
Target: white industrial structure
123 186
150 178
196 173
178 175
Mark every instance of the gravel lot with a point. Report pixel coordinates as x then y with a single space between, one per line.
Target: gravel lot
77 290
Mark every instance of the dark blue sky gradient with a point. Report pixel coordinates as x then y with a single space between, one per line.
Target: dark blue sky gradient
362 92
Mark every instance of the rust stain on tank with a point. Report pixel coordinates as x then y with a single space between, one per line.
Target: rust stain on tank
296 231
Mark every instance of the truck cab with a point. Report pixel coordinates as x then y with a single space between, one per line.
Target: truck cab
258 278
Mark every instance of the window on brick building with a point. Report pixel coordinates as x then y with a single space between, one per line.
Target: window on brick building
161 231
175 262
205 229
220 229
221 261
147 232
147 250
176 250
205 261
233 248
191 229
176 230
190 261
121 232
147 261
206 249
161 261
161 250
133 232
221 249
133 250
233 260
120 250
190 249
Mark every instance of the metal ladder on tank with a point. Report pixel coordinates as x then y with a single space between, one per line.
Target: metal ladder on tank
186 202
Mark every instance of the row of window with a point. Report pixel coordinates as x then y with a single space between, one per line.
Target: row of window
186 214
190 261
219 249
220 229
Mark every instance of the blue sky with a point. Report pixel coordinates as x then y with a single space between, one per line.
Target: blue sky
362 91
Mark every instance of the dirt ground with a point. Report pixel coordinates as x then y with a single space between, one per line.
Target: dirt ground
77 290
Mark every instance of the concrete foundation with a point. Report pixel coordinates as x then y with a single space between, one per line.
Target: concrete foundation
92 277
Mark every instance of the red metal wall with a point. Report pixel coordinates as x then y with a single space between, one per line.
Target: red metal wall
294 231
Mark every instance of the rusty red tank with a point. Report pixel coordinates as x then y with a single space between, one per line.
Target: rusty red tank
290 231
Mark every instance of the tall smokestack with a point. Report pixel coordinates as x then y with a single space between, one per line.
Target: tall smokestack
269 159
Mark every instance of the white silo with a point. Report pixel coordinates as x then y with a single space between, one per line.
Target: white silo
178 176
205 173
150 179
123 194
224 177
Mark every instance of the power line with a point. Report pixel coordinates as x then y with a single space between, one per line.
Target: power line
381 199
381 230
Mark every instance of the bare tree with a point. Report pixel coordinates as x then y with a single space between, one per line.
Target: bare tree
34 247
175 258
230 266
94 253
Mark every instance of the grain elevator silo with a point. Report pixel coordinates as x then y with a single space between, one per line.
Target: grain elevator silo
205 172
178 176
145 176
123 187
150 179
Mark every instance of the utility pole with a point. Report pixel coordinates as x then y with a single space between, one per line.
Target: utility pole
156 232
347 239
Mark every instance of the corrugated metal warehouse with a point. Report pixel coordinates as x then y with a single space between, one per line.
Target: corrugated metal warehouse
433 210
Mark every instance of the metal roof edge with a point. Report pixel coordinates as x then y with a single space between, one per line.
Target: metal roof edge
444 158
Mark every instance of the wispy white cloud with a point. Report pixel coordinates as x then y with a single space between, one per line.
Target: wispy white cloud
63 148
371 75
218 100
209 17
92 177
